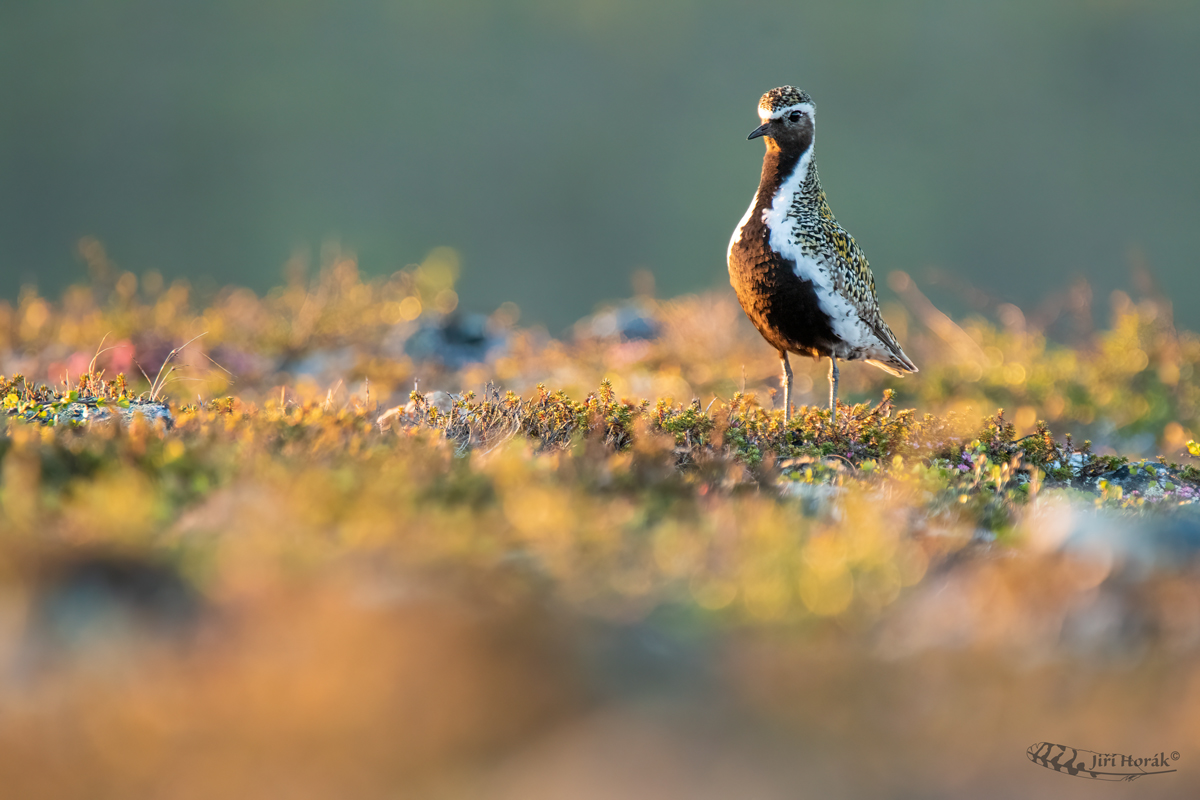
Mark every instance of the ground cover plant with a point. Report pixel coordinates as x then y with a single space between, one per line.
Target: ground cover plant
345 539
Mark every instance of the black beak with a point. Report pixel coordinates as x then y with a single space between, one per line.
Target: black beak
761 130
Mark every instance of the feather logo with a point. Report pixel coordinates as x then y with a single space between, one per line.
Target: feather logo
1100 766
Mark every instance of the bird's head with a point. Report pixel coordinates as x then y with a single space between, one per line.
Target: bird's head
789 119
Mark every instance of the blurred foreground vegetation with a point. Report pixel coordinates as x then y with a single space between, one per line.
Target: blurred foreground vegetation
308 579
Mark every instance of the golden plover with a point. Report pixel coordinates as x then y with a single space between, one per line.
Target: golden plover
800 278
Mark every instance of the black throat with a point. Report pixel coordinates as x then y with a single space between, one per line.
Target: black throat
778 166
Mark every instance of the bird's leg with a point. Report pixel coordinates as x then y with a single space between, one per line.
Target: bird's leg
833 382
787 386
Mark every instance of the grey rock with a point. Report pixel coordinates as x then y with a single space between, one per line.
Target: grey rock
630 321
88 412
454 341
94 598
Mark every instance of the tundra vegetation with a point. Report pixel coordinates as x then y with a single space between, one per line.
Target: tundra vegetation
346 539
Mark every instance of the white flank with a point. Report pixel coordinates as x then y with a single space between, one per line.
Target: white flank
858 338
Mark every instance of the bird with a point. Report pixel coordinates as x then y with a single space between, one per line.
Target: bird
799 276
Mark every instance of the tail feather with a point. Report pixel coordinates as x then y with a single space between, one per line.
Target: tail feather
890 357
894 366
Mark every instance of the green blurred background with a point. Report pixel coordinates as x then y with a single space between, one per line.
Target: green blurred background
560 146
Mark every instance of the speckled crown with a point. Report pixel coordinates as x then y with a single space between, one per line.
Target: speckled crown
782 97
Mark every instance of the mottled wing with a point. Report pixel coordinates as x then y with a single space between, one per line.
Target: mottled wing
854 279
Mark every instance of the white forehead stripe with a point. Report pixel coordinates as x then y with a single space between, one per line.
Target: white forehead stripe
766 113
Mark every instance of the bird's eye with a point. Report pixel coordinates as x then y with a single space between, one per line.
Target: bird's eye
795 116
